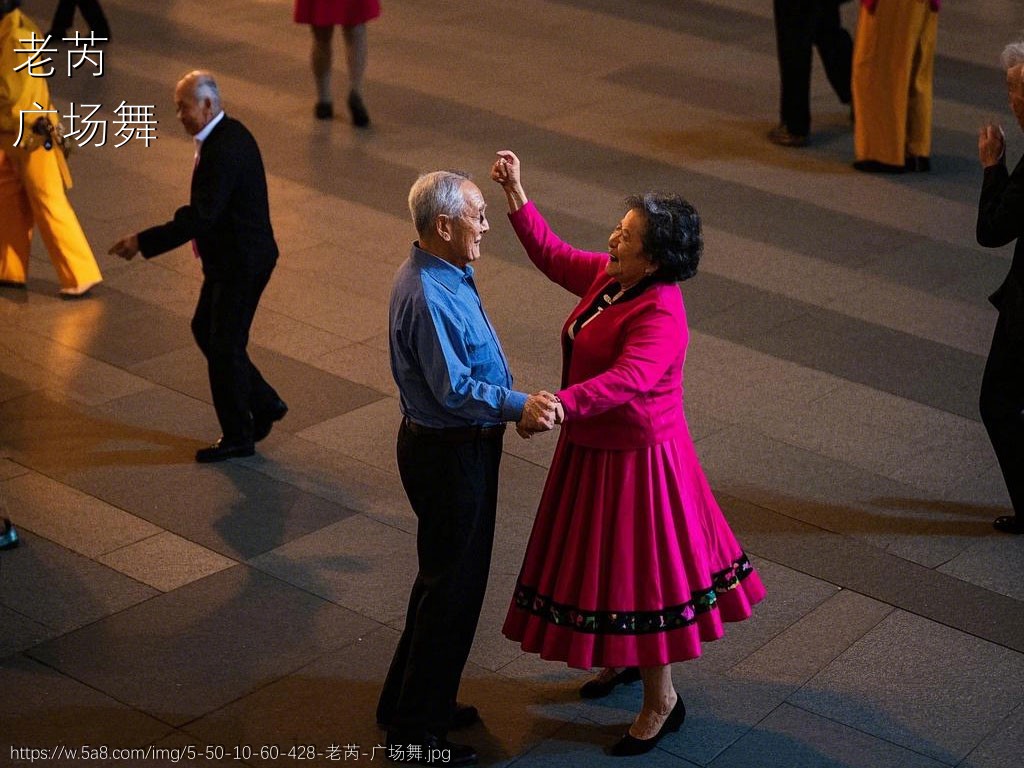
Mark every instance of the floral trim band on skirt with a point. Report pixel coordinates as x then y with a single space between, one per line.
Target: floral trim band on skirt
634 622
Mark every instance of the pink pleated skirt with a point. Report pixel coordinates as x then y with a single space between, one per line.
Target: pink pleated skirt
631 561
326 13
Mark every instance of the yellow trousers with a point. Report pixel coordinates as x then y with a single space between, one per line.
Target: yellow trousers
893 62
32 194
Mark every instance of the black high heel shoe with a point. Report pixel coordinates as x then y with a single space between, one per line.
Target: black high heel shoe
630 745
360 117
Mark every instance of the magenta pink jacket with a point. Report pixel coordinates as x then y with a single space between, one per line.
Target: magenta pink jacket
622 384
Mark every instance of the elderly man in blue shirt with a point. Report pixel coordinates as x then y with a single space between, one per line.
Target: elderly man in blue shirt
456 396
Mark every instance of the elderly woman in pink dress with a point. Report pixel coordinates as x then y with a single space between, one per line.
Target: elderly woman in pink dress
631 564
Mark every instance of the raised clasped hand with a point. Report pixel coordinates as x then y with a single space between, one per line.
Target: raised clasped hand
505 170
540 414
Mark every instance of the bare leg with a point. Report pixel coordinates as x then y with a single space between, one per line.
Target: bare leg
321 60
355 53
659 699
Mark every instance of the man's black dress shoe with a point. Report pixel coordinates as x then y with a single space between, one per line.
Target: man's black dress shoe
630 745
874 166
9 537
427 749
225 449
463 716
263 421
1008 524
599 688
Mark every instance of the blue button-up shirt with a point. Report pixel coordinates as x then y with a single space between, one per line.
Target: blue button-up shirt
445 354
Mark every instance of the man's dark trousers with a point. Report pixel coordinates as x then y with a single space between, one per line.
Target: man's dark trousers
453 489
93 14
221 326
1002 408
800 25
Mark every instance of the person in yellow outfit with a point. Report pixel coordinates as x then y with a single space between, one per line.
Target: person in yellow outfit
893 61
34 179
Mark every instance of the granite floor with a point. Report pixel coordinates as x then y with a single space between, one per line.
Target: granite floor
245 613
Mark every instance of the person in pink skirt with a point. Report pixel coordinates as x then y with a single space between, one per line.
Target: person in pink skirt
323 16
631 563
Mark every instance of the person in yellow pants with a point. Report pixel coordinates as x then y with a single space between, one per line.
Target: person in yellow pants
33 179
893 61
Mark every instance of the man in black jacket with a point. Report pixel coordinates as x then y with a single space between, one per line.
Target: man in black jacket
1001 221
228 222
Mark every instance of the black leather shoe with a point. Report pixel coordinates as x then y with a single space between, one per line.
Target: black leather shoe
360 117
918 164
427 749
9 538
225 449
874 166
630 745
463 716
598 688
323 110
1008 524
263 421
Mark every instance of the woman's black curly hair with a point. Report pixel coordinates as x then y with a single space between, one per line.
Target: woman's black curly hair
673 237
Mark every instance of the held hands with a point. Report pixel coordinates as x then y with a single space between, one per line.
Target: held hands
542 411
991 145
505 172
126 247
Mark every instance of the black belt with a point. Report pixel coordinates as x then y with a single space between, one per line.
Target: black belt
453 434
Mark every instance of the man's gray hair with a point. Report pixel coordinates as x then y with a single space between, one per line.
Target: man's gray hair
1013 55
434 194
204 87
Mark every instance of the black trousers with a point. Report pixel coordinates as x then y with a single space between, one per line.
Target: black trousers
1002 408
93 14
453 489
801 25
221 329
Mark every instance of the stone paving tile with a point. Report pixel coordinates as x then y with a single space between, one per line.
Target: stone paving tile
230 508
19 632
993 563
68 375
72 519
179 655
60 589
1002 747
810 644
357 563
362 363
836 496
889 579
337 478
883 685
793 738
165 561
358 434
41 708
329 701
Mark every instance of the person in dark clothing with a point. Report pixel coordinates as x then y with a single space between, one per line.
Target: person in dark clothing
1001 221
801 25
228 222
91 11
